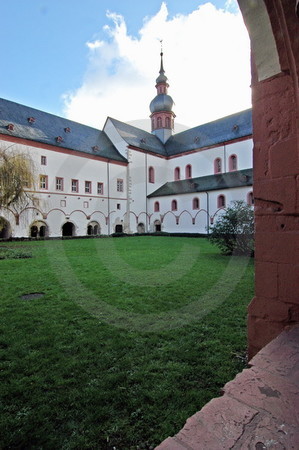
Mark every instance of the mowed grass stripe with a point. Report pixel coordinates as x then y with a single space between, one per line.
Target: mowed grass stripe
71 378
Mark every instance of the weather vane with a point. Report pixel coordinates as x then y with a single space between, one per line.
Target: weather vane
161 42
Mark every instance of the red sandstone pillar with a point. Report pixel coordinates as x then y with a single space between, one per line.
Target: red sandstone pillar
276 186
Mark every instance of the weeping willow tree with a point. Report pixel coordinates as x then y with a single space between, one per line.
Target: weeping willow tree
16 175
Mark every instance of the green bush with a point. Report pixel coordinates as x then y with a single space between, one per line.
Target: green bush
233 233
8 253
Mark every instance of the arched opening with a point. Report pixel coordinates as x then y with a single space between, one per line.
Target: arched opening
217 165
157 226
93 229
141 228
232 163
33 231
156 207
188 171
68 229
221 201
174 205
42 231
159 122
5 229
38 230
177 174
151 175
118 228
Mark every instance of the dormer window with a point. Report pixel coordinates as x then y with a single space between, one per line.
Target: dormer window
10 126
95 148
31 119
59 139
67 130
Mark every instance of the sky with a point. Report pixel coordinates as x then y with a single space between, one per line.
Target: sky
86 60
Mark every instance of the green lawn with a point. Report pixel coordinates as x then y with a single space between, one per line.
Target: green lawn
132 336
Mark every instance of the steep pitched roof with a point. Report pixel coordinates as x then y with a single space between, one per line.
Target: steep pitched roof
139 138
46 128
207 183
222 130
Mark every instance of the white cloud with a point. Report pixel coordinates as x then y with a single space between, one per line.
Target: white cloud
206 59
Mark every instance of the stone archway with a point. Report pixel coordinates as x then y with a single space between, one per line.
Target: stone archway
38 229
5 229
157 226
68 229
274 33
140 228
93 229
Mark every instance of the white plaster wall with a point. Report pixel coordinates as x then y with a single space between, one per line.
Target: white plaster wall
185 211
244 152
56 207
202 161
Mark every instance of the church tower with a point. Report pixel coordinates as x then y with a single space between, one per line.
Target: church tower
162 116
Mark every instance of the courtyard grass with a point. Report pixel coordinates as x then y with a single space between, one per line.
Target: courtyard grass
131 337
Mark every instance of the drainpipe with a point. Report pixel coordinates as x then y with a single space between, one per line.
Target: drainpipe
224 165
146 199
108 194
208 214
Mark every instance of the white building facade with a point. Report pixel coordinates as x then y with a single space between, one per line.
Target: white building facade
124 179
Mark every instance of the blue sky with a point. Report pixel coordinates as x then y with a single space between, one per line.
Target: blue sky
59 54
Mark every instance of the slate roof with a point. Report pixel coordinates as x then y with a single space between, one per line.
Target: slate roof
139 138
47 127
221 181
222 130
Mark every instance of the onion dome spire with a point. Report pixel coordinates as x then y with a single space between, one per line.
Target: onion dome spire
161 107
162 78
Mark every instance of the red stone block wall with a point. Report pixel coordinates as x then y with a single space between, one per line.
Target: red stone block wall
276 185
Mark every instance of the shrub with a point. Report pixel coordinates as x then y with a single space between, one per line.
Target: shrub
233 232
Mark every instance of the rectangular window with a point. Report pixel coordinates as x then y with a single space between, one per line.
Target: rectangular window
43 182
43 160
75 185
59 184
85 204
118 206
100 188
120 185
63 203
88 187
